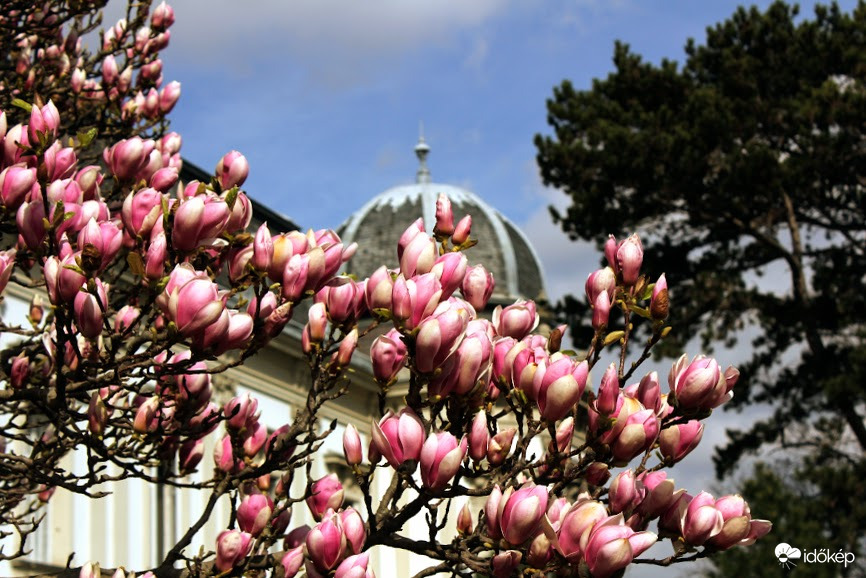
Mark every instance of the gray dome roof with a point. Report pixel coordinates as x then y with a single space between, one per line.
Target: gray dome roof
502 247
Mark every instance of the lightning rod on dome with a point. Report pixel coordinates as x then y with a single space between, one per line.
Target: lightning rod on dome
421 151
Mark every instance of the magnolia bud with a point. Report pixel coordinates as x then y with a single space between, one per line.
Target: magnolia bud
444 217
629 257
232 170
352 446
659 303
500 446
464 520
462 230
478 437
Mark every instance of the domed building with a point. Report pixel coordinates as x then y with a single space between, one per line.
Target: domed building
502 248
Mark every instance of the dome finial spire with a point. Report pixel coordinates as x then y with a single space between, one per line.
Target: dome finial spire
421 151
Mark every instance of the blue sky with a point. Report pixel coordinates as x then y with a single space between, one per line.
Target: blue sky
325 97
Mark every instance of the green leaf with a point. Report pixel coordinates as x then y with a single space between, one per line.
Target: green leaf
613 337
75 268
643 312
647 292
59 214
22 104
231 197
86 137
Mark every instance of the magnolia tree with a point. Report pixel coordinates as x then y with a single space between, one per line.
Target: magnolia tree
140 286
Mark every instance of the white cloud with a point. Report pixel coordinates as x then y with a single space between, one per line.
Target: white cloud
566 263
334 42
579 14
477 55
387 157
472 136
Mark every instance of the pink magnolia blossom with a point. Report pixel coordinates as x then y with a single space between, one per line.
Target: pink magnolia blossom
16 183
625 492
346 350
612 546
478 437
469 365
352 446
326 543
462 230
195 305
629 257
140 211
516 320
491 512
327 494
444 217
162 16
477 286
499 446
254 513
739 528
521 511
232 547
104 239
88 309
232 169
413 300
60 162
601 281
659 493
558 384
398 437
254 438
440 334
637 435
7 265
242 411
189 455
575 526
292 561
388 355
355 566
608 392
505 564
677 441
168 96
701 520
701 384
44 121
197 220
343 299
441 456
353 529
450 269
127 157
601 311
241 213
378 289
263 249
